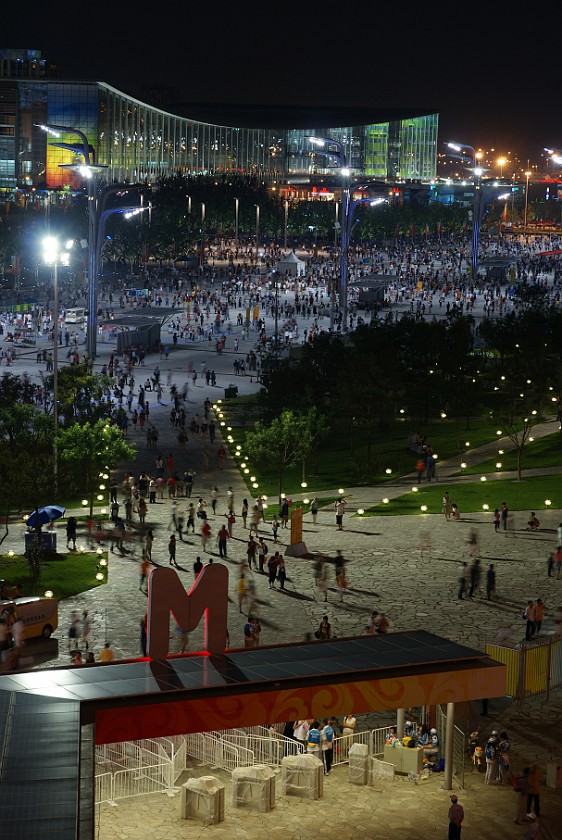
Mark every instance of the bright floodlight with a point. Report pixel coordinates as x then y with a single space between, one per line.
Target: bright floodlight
346 171
50 249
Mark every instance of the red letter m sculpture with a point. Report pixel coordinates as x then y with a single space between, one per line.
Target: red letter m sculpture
208 596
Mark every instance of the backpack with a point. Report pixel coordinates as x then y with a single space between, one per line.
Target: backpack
247 630
490 752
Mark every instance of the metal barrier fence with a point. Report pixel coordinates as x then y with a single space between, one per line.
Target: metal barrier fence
149 765
374 738
104 788
531 669
140 781
267 749
382 770
210 748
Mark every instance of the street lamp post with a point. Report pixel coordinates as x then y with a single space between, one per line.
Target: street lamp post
53 256
286 222
88 171
477 173
257 230
202 236
340 157
236 208
127 212
527 176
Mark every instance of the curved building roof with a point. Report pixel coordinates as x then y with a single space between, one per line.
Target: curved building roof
293 116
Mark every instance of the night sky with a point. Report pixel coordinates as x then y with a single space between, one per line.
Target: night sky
493 81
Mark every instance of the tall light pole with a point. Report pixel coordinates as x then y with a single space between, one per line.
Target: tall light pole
126 212
236 210
477 172
54 256
202 236
340 158
257 230
88 170
286 222
527 176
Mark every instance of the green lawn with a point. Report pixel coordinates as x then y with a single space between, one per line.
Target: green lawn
538 454
526 495
338 464
66 575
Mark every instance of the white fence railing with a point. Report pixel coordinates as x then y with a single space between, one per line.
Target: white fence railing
104 788
136 768
373 738
140 781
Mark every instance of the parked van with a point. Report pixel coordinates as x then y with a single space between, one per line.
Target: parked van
39 615
75 316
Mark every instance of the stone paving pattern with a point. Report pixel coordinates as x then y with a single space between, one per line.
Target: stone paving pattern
388 571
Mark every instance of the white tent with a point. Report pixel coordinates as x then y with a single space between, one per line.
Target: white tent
291 264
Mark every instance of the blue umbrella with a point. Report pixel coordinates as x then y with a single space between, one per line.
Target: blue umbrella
46 514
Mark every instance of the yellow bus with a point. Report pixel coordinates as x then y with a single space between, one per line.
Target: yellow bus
39 615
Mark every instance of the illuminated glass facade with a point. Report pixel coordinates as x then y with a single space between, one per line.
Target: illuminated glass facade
399 150
137 142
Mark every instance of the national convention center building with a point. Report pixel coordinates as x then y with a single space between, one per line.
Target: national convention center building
138 142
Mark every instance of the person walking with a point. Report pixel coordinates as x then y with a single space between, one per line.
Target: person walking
490 582
314 509
172 551
284 512
272 566
262 555
244 512
71 532
222 538
322 581
339 505
490 752
456 817
255 521
230 522
533 791
462 574
86 627
144 566
251 549
504 513
314 738
475 575
529 616
539 617
521 789
282 572
205 534
327 743
274 527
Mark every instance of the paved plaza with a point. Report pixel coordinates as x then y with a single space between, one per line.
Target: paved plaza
405 567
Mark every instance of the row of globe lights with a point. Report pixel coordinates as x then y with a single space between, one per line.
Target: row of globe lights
246 469
217 408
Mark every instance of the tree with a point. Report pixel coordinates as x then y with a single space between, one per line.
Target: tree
80 394
97 447
286 440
